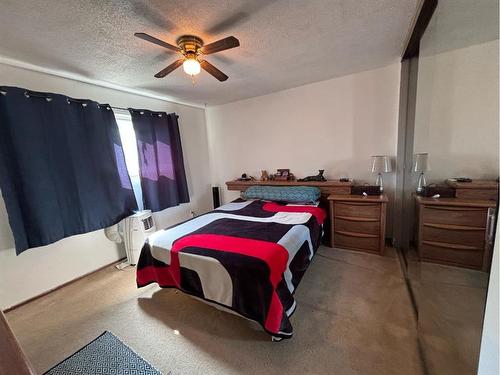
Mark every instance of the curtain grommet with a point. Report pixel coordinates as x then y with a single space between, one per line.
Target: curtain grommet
2 92
26 94
84 104
48 98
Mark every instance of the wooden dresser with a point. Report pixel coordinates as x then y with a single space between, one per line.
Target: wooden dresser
358 222
455 231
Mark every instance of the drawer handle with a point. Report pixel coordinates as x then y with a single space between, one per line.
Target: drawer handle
354 234
358 204
447 208
351 218
452 246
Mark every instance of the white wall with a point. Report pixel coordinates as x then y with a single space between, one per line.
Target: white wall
457 111
38 270
334 125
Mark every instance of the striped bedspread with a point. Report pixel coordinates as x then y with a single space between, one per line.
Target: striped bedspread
248 256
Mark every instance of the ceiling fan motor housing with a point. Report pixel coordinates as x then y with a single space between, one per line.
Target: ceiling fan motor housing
190 44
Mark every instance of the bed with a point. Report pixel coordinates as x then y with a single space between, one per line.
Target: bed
247 256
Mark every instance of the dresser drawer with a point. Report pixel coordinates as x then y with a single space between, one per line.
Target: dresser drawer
468 216
359 226
342 190
485 194
458 255
347 240
450 234
356 209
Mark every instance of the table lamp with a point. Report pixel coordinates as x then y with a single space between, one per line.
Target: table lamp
381 164
421 165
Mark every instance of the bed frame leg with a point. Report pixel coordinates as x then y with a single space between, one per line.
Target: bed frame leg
276 339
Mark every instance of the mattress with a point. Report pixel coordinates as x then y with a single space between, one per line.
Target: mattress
247 256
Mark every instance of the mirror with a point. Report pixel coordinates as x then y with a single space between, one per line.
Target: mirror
455 135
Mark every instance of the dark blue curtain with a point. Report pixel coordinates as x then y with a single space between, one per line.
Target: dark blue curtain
62 167
161 164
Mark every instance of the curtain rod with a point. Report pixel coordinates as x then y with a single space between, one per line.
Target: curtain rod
47 96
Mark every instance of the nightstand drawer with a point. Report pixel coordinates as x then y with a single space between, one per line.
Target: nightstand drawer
451 254
454 215
357 209
451 234
349 240
356 225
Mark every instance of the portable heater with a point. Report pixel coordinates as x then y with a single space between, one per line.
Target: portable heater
135 229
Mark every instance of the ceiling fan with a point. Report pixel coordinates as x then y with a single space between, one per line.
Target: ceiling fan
192 50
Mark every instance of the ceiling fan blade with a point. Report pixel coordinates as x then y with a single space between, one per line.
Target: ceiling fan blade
169 69
159 42
220 45
213 70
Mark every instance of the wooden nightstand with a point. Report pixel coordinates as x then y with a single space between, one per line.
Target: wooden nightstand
358 222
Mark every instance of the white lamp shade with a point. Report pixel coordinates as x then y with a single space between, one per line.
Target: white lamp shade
421 162
191 66
381 164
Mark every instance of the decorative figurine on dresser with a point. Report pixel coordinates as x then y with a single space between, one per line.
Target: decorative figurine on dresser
458 230
318 177
264 175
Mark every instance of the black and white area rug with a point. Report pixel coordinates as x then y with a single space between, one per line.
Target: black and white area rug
105 355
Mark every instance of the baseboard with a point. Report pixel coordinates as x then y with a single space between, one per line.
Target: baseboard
17 305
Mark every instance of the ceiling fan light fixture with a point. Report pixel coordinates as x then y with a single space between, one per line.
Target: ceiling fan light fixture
191 67
190 47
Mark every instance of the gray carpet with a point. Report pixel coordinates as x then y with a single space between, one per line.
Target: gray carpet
354 317
104 355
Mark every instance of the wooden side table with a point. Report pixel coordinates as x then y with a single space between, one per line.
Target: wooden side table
358 222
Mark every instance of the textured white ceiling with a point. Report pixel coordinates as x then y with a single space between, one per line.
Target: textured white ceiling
460 23
284 43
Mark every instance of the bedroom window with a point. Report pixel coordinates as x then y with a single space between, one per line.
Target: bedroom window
129 143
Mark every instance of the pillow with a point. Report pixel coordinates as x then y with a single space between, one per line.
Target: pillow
294 194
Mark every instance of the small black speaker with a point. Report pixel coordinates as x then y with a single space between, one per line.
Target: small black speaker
215 196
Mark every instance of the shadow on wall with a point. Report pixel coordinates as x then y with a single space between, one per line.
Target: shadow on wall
6 237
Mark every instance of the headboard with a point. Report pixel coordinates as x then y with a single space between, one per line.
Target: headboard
326 187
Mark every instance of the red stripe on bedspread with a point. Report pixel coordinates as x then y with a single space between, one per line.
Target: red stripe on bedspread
317 212
160 275
275 256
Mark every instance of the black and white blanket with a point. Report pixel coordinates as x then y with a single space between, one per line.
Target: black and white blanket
248 256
